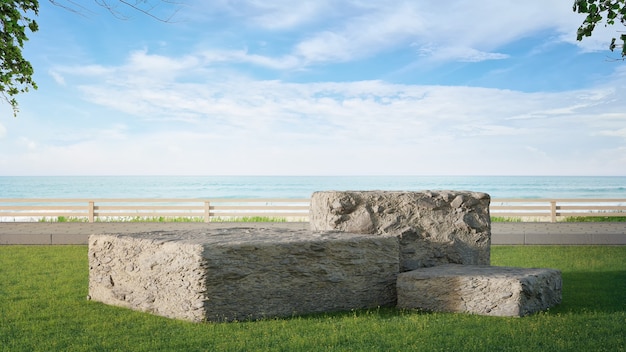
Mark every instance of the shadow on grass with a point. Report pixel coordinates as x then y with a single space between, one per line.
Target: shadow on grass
602 292
583 292
593 291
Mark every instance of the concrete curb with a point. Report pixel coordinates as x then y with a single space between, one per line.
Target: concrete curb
521 233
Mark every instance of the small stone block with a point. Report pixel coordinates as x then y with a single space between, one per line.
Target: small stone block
242 273
479 289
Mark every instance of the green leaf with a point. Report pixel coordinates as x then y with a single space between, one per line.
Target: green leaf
15 71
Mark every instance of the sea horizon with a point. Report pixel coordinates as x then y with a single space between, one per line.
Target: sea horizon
294 186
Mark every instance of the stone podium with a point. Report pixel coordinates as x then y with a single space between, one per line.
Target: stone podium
242 273
428 250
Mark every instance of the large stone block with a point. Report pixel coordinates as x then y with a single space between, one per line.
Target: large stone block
242 273
434 227
484 290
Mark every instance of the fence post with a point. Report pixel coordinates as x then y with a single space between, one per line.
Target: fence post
207 211
91 211
553 210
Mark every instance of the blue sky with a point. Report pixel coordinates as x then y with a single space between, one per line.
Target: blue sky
319 88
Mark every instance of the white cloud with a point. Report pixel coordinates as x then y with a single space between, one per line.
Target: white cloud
3 131
28 143
493 130
89 70
455 30
614 133
378 29
205 109
269 15
286 14
352 30
362 112
242 56
363 29
460 54
57 77
141 60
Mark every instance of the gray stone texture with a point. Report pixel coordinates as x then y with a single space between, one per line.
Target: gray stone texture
434 227
484 290
427 250
242 273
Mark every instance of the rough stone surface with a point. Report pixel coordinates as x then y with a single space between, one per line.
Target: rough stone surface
484 290
243 273
353 258
434 227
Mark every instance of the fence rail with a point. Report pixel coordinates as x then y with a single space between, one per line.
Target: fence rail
115 209
210 209
555 209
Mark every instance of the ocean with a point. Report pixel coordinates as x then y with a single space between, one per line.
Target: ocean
302 186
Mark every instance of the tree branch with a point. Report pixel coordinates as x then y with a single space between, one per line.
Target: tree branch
148 11
72 8
145 7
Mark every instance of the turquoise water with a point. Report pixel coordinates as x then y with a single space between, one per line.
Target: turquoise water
302 187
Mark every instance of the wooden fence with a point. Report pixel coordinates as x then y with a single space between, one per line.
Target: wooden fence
554 209
292 209
154 209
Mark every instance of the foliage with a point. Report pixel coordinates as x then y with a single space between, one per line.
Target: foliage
597 11
43 308
505 219
15 71
595 219
279 219
249 219
166 219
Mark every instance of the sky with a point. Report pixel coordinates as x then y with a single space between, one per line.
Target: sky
323 87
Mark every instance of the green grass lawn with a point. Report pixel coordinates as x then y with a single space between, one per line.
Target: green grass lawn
43 307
